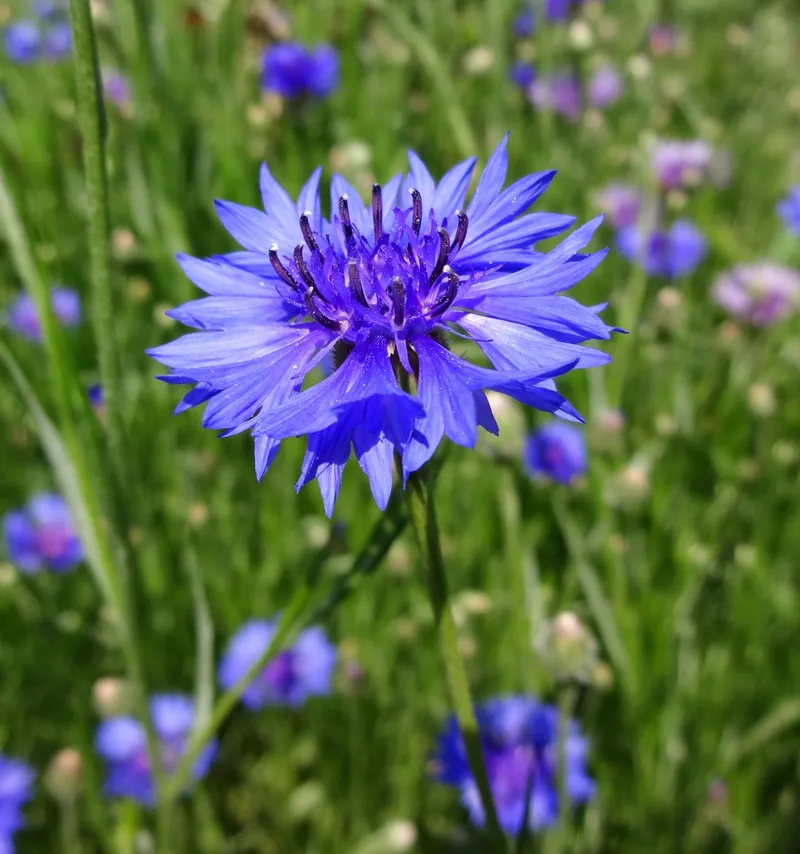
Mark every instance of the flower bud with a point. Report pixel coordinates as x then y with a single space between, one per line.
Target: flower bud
112 697
63 777
568 648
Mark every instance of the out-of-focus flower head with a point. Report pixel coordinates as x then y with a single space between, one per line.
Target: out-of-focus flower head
662 39
525 23
560 92
761 293
789 210
675 252
557 451
681 163
621 203
58 40
605 87
23 41
16 789
116 87
522 74
291 677
23 317
381 286
47 37
122 743
42 535
292 70
519 739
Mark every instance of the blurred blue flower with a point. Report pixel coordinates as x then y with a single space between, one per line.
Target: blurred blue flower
525 23
16 789
23 317
58 40
560 10
95 394
116 87
558 451
680 163
523 74
761 293
519 736
789 210
122 743
621 202
560 92
291 677
381 286
23 41
292 70
673 253
605 87
662 39
42 535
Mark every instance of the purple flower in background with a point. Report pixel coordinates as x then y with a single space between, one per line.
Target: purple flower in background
662 39
16 789
292 70
291 677
621 202
760 293
605 87
42 535
519 737
789 210
382 285
524 23
523 74
673 253
58 40
558 10
24 319
122 743
557 451
681 163
23 41
116 87
561 93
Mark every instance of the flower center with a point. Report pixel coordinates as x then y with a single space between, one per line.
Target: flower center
399 282
280 673
52 542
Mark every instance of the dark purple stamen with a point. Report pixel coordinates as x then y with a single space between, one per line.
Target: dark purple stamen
344 215
308 235
399 300
355 282
416 201
316 312
377 211
302 267
444 252
278 267
451 291
461 231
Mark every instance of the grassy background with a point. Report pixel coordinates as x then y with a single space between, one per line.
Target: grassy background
691 586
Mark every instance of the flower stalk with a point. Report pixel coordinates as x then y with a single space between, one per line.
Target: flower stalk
422 514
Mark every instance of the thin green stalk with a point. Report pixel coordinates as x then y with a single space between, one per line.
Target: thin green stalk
92 124
70 837
423 521
566 705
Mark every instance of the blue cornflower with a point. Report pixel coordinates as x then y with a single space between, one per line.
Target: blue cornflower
556 450
291 677
122 742
560 10
42 535
673 253
16 789
380 287
789 210
621 202
523 74
519 736
525 23
23 41
292 70
24 318
58 40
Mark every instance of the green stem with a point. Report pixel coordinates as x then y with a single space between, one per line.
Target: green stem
70 838
566 705
426 532
92 124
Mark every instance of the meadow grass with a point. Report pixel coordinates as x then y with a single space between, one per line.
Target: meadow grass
684 566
